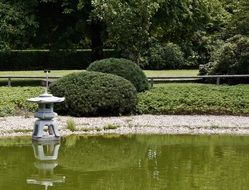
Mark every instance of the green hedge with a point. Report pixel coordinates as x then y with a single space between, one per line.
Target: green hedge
13 101
195 99
47 59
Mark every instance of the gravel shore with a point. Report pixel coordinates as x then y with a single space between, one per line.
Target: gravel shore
140 124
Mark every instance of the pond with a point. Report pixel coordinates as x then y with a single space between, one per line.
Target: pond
136 162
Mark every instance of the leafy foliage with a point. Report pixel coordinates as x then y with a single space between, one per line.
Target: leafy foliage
195 99
124 68
191 25
231 58
197 26
95 94
13 101
128 24
240 20
17 23
168 56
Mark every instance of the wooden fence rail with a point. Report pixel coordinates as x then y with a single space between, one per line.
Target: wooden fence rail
9 77
152 80
193 78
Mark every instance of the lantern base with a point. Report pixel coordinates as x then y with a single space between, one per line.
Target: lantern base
51 134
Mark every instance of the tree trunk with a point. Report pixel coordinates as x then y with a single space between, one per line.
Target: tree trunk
96 29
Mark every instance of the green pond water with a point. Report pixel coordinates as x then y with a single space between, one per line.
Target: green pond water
134 162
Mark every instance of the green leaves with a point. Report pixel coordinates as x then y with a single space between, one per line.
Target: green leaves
128 24
124 68
14 100
195 99
17 23
95 94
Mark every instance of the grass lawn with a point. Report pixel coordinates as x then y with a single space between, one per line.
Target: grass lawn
65 72
34 82
154 73
38 73
31 82
172 98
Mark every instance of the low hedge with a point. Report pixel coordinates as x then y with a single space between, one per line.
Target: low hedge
13 101
161 99
94 94
195 99
124 68
47 59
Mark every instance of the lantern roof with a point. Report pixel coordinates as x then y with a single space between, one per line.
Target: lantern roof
46 98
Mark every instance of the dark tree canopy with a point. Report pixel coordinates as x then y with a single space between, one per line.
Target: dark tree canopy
17 23
131 27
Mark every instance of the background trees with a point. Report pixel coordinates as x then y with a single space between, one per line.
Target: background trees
138 30
17 23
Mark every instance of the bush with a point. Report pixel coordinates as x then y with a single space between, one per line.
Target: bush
232 58
169 56
13 101
124 68
195 99
46 59
94 94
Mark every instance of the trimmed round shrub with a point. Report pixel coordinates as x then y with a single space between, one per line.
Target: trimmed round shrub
94 94
124 68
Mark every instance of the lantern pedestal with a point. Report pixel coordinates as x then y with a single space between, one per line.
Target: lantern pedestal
38 133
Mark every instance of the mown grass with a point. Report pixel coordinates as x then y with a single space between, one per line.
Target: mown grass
38 73
195 99
60 73
65 72
155 73
30 82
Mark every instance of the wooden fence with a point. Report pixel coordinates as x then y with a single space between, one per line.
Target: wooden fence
152 80
164 79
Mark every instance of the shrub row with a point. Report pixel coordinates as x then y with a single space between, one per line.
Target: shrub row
13 101
165 99
195 99
45 59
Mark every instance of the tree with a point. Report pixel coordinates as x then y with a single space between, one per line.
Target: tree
190 24
240 19
81 27
128 24
132 24
17 23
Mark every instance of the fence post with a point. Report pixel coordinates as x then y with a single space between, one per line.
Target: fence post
218 80
9 82
151 82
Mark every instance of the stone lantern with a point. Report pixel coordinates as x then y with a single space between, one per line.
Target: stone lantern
45 115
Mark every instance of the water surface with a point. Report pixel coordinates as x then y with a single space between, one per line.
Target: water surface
126 162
